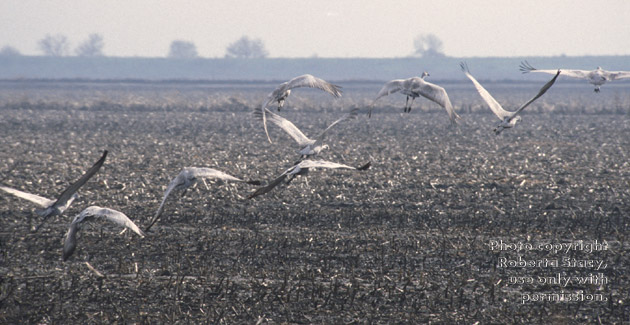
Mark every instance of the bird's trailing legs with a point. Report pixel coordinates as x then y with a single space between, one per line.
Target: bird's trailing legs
409 108
408 105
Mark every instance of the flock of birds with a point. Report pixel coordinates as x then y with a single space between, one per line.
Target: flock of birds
413 88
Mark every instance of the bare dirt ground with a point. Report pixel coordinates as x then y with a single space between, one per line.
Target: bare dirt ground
411 240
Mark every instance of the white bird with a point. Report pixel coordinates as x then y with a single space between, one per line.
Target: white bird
70 242
302 169
595 77
308 146
508 119
415 87
284 90
57 207
187 177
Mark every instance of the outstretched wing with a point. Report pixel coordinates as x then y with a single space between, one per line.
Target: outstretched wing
268 187
111 215
322 164
304 164
177 181
263 108
95 212
541 92
614 75
308 80
438 94
485 95
525 67
39 200
581 74
286 125
389 87
67 194
348 116
205 172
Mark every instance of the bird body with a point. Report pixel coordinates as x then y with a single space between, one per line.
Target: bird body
187 177
508 119
58 206
283 91
90 213
415 87
596 77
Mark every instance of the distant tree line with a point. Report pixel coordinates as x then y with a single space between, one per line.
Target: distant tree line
243 48
246 48
425 45
58 45
9 51
182 50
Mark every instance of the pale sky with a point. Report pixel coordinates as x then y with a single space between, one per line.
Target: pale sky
326 28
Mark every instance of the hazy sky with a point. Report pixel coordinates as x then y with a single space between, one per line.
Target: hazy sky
326 28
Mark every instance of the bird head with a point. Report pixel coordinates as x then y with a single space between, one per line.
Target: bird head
515 120
425 74
317 149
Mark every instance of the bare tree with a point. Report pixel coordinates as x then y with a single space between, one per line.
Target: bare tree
428 45
247 48
182 50
54 45
93 46
9 51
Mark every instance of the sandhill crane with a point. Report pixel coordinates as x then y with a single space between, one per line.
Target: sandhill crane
58 206
595 77
187 177
308 146
508 119
284 90
302 168
415 87
70 242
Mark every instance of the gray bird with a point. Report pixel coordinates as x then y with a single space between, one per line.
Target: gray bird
187 177
309 147
508 119
284 90
415 87
58 206
596 77
90 213
302 168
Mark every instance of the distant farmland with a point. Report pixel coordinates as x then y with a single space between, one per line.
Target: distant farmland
441 68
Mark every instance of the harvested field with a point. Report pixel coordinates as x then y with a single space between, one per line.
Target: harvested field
414 239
